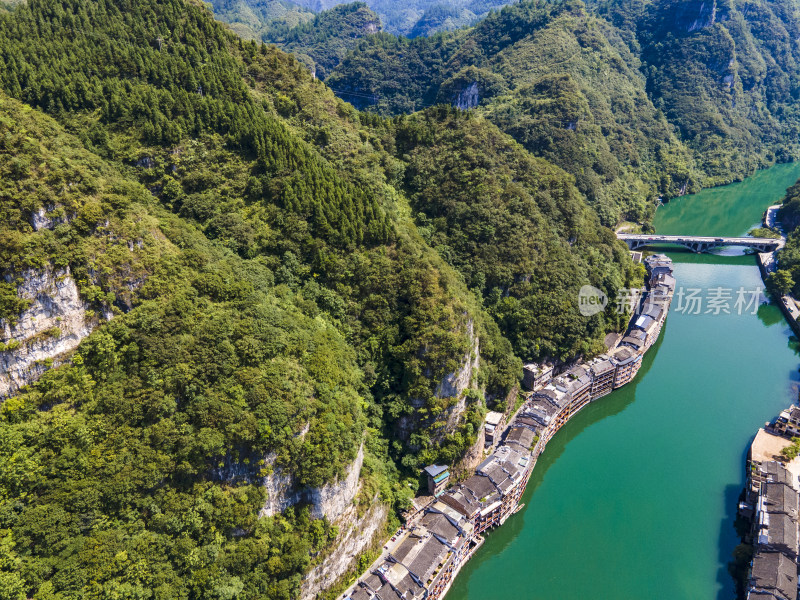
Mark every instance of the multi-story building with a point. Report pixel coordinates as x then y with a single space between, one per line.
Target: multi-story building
422 563
773 490
493 428
477 499
556 396
535 376
636 339
438 478
627 362
788 422
603 371
764 451
773 575
658 264
650 327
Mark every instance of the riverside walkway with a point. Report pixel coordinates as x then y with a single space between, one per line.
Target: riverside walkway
698 243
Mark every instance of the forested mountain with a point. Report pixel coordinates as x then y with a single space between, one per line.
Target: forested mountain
253 19
324 41
635 99
410 17
267 284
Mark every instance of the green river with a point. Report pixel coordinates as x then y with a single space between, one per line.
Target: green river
635 498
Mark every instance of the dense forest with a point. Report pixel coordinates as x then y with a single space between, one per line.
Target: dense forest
324 41
270 273
251 19
785 280
635 99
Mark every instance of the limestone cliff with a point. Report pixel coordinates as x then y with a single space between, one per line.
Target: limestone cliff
53 324
452 385
455 383
356 534
330 500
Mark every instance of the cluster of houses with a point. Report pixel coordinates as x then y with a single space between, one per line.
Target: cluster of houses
556 399
771 503
422 562
431 550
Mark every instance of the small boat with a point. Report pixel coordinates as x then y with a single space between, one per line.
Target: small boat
519 508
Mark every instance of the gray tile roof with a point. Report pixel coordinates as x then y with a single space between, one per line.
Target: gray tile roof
440 525
779 498
780 532
428 558
522 436
775 472
775 571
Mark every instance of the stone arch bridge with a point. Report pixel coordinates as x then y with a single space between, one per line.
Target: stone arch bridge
698 243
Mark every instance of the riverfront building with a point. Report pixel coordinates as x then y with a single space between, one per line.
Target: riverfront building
773 572
535 376
603 372
772 503
627 362
788 422
438 478
765 449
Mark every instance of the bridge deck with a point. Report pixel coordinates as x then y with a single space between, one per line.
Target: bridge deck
694 238
698 243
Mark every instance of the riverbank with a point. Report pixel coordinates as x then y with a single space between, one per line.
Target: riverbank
431 550
770 506
636 496
768 264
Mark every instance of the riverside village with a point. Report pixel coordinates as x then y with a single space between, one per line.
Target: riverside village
439 537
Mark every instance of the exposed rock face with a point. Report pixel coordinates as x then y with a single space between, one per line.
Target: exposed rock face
455 383
693 16
281 491
40 219
331 500
468 97
355 536
52 325
473 456
451 386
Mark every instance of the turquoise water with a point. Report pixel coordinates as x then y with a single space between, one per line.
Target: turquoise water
728 210
636 496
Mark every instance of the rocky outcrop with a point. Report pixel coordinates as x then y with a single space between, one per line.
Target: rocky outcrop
53 324
330 500
453 386
694 15
281 490
47 218
356 534
473 457
455 383
468 98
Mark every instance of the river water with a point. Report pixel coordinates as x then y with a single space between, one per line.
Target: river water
635 498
